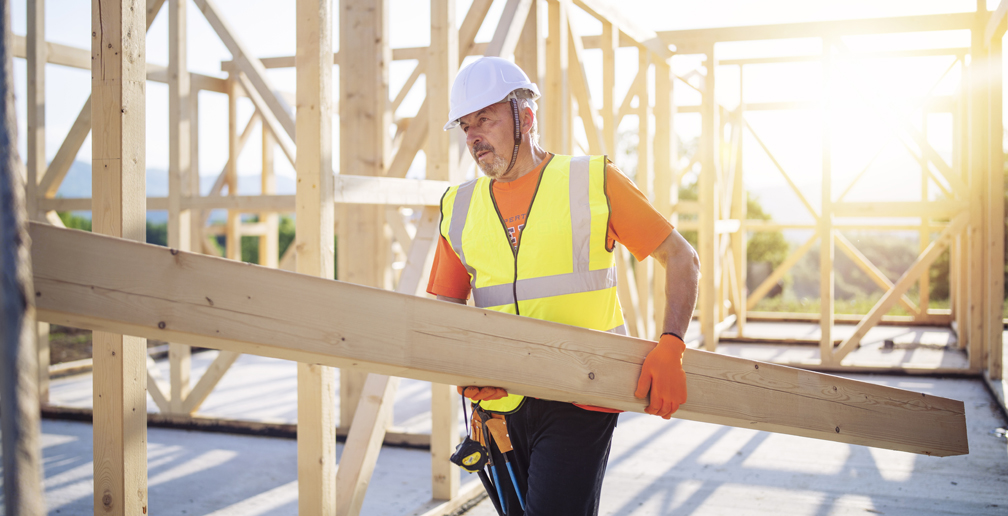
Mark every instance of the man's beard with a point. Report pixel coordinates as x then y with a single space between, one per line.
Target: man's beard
496 167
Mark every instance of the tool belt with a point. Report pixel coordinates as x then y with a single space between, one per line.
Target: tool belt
473 455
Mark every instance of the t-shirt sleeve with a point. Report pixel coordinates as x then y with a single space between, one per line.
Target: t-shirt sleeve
633 222
448 276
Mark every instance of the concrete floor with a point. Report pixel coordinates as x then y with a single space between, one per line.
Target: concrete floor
656 466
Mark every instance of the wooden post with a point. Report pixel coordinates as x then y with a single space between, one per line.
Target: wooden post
530 54
976 311
232 234
826 245
995 210
196 223
179 182
269 244
645 176
925 229
708 241
19 400
739 211
960 260
664 168
315 253
118 197
557 103
36 53
365 55
442 159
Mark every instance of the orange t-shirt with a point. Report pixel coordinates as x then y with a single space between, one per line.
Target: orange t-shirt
633 222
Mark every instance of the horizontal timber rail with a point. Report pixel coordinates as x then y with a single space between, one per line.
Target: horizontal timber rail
348 190
103 283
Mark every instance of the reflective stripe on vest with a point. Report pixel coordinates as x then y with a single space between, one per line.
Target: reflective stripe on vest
561 271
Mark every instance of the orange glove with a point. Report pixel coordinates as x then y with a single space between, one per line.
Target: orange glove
482 393
662 374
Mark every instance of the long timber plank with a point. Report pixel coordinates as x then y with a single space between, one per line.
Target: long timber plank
104 283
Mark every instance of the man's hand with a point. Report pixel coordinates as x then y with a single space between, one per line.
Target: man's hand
662 374
482 393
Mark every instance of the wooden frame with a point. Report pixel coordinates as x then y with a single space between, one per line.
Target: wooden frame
558 64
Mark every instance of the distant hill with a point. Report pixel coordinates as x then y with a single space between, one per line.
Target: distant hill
77 184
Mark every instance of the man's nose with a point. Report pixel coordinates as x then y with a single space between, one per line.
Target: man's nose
473 138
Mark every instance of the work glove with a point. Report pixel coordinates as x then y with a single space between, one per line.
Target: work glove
662 374
482 393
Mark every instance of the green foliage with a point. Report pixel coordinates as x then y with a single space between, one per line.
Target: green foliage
286 233
155 234
892 256
762 246
73 221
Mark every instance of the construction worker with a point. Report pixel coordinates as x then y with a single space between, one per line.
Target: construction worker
535 237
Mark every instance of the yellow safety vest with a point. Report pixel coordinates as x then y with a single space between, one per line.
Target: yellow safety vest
561 271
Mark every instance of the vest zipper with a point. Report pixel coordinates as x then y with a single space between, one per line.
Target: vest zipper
514 250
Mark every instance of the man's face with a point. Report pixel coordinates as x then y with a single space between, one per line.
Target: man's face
490 137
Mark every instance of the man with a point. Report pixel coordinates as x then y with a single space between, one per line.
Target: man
535 238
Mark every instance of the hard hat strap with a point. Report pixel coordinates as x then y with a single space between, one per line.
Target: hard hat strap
517 134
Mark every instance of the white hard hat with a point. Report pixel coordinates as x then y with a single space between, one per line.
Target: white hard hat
485 82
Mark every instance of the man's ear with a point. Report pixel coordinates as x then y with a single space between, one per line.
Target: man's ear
527 119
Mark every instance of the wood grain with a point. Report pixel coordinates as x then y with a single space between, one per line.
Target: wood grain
108 283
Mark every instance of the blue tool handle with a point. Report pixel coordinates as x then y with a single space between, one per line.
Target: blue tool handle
497 484
514 482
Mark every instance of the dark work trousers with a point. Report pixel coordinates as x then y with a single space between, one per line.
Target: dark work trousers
560 455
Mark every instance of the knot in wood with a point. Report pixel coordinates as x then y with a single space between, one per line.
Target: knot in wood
838 429
591 376
107 500
161 325
757 366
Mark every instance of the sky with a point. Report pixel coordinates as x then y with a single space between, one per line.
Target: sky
267 27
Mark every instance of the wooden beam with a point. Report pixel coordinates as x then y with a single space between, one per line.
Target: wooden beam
827 248
920 266
315 254
249 65
707 240
180 183
603 10
995 206
211 377
365 151
232 235
272 121
36 57
579 82
928 209
118 197
357 463
269 243
509 28
760 291
873 272
557 111
93 281
67 152
49 184
351 189
692 40
996 24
